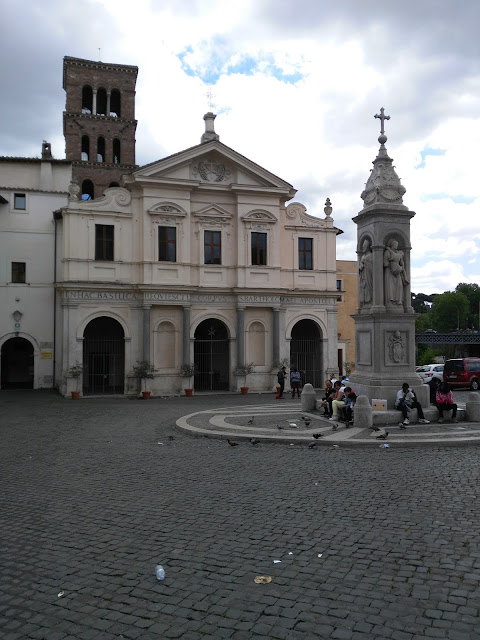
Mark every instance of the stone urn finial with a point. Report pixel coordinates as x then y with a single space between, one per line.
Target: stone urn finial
328 208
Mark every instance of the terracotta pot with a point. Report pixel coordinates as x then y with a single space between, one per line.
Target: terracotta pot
244 390
146 395
188 393
75 395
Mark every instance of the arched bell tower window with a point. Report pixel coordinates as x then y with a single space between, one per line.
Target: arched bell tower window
87 190
101 149
115 104
101 102
116 151
85 148
87 99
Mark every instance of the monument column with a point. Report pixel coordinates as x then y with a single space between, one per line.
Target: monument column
384 328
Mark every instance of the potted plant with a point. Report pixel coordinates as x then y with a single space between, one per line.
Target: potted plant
144 370
242 371
187 370
75 371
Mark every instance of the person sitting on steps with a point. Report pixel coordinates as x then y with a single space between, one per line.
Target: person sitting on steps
445 402
405 401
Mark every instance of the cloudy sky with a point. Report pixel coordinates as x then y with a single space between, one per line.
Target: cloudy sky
295 84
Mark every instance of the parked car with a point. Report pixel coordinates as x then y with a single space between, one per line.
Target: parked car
463 372
429 371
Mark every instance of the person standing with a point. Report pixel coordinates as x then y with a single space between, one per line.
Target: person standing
445 402
295 382
281 375
405 401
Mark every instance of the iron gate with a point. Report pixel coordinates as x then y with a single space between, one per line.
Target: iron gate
306 355
103 366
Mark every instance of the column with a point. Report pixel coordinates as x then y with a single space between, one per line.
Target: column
240 336
108 103
94 102
146 333
276 336
186 336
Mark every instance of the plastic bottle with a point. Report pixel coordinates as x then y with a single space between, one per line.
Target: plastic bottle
159 572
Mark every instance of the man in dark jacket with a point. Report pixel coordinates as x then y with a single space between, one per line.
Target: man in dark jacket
281 375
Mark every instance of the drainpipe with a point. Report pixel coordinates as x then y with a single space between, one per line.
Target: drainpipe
57 215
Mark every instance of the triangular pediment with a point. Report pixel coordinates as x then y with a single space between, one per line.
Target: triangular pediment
212 164
213 212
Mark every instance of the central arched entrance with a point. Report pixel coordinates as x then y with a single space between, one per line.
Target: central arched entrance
306 352
103 357
17 364
211 356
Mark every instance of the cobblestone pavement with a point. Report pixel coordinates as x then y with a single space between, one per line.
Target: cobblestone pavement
373 543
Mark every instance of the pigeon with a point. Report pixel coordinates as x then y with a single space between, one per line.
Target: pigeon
279 427
383 436
375 429
251 420
292 424
232 444
312 445
307 423
334 427
254 441
317 435
171 438
305 418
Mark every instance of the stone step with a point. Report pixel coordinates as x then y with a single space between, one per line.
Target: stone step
394 417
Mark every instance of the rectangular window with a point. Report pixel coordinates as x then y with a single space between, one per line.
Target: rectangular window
104 241
18 272
259 248
19 201
339 285
305 253
167 244
213 247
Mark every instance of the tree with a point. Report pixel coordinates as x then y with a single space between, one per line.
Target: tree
450 311
472 292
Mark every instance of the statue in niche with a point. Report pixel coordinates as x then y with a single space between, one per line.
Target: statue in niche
365 273
395 278
396 347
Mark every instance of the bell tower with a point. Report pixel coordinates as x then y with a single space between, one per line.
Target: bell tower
99 123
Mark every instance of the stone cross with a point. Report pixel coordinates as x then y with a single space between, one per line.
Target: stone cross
382 117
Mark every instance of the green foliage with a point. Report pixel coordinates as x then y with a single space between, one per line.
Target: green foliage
144 369
472 292
187 370
450 311
422 302
427 357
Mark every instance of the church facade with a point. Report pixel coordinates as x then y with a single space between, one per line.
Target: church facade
198 259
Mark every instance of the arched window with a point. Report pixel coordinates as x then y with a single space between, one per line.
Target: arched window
101 102
116 151
87 99
101 149
85 148
115 106
87 190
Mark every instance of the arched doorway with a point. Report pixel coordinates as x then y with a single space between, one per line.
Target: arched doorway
306 352
17 364
103 357
211 356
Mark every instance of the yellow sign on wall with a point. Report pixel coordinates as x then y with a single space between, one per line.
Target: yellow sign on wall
46 355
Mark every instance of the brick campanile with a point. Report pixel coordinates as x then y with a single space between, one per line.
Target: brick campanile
99 122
